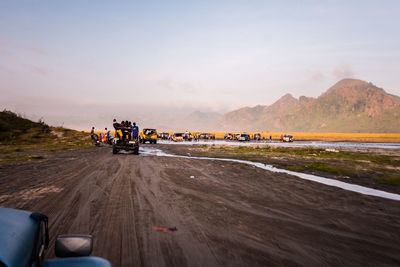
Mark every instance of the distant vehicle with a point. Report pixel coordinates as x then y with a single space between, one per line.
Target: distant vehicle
257 136
207 136
244 137
187 136
163 136
148 135
177 137
287 138
229 136
25 237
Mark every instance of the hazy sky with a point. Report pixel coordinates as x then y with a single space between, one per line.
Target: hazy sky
68 60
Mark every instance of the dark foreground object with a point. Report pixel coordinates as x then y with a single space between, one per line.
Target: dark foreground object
225 214
24 237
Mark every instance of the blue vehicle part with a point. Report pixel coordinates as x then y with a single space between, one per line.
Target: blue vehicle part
24 236
77 262
19 233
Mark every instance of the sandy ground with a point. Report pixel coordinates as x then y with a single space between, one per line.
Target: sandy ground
226 214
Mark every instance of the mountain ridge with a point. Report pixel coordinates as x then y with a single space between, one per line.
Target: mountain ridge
350 105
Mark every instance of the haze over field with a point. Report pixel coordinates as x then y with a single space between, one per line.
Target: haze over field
186 64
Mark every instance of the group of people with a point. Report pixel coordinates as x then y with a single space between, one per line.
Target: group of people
101 137
126 130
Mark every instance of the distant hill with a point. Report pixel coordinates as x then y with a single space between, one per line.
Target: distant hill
348 106
15 129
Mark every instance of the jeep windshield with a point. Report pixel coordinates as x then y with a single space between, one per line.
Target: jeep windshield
149 131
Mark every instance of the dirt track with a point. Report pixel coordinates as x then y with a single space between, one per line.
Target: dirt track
227 215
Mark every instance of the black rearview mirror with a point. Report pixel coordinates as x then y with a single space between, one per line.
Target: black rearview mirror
73 246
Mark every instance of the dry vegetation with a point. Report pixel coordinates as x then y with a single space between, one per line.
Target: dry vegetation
24 140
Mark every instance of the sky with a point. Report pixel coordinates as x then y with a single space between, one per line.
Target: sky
77 63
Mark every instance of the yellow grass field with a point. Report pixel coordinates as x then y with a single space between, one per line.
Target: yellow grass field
355 137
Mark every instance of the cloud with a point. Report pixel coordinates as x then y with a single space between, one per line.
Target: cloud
177 86
10 44
6 70
18 56
35 69
343 71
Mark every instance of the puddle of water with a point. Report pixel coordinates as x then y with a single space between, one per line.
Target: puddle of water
316 144
319 179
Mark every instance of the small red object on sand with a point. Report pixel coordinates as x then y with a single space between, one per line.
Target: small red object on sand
164 229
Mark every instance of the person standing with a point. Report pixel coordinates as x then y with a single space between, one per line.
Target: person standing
107 135
122 130
135 131
94 136
129 130
117 128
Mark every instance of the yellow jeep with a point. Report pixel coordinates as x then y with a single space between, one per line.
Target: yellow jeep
148 135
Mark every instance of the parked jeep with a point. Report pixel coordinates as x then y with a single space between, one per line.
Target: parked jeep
243 137
229 136
163 136
187 136
287 138
207 136
148 135
177 137
257 136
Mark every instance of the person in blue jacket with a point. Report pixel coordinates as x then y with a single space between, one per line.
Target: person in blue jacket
135 131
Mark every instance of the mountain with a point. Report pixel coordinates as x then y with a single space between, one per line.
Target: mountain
348 106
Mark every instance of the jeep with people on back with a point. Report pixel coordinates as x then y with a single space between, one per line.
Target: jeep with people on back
126 137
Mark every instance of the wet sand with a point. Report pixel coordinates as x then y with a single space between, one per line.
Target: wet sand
226 214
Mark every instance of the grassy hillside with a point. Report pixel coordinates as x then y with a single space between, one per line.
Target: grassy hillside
14 128
23 139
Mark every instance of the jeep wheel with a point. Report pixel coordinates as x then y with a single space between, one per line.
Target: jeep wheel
115 150
136 151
